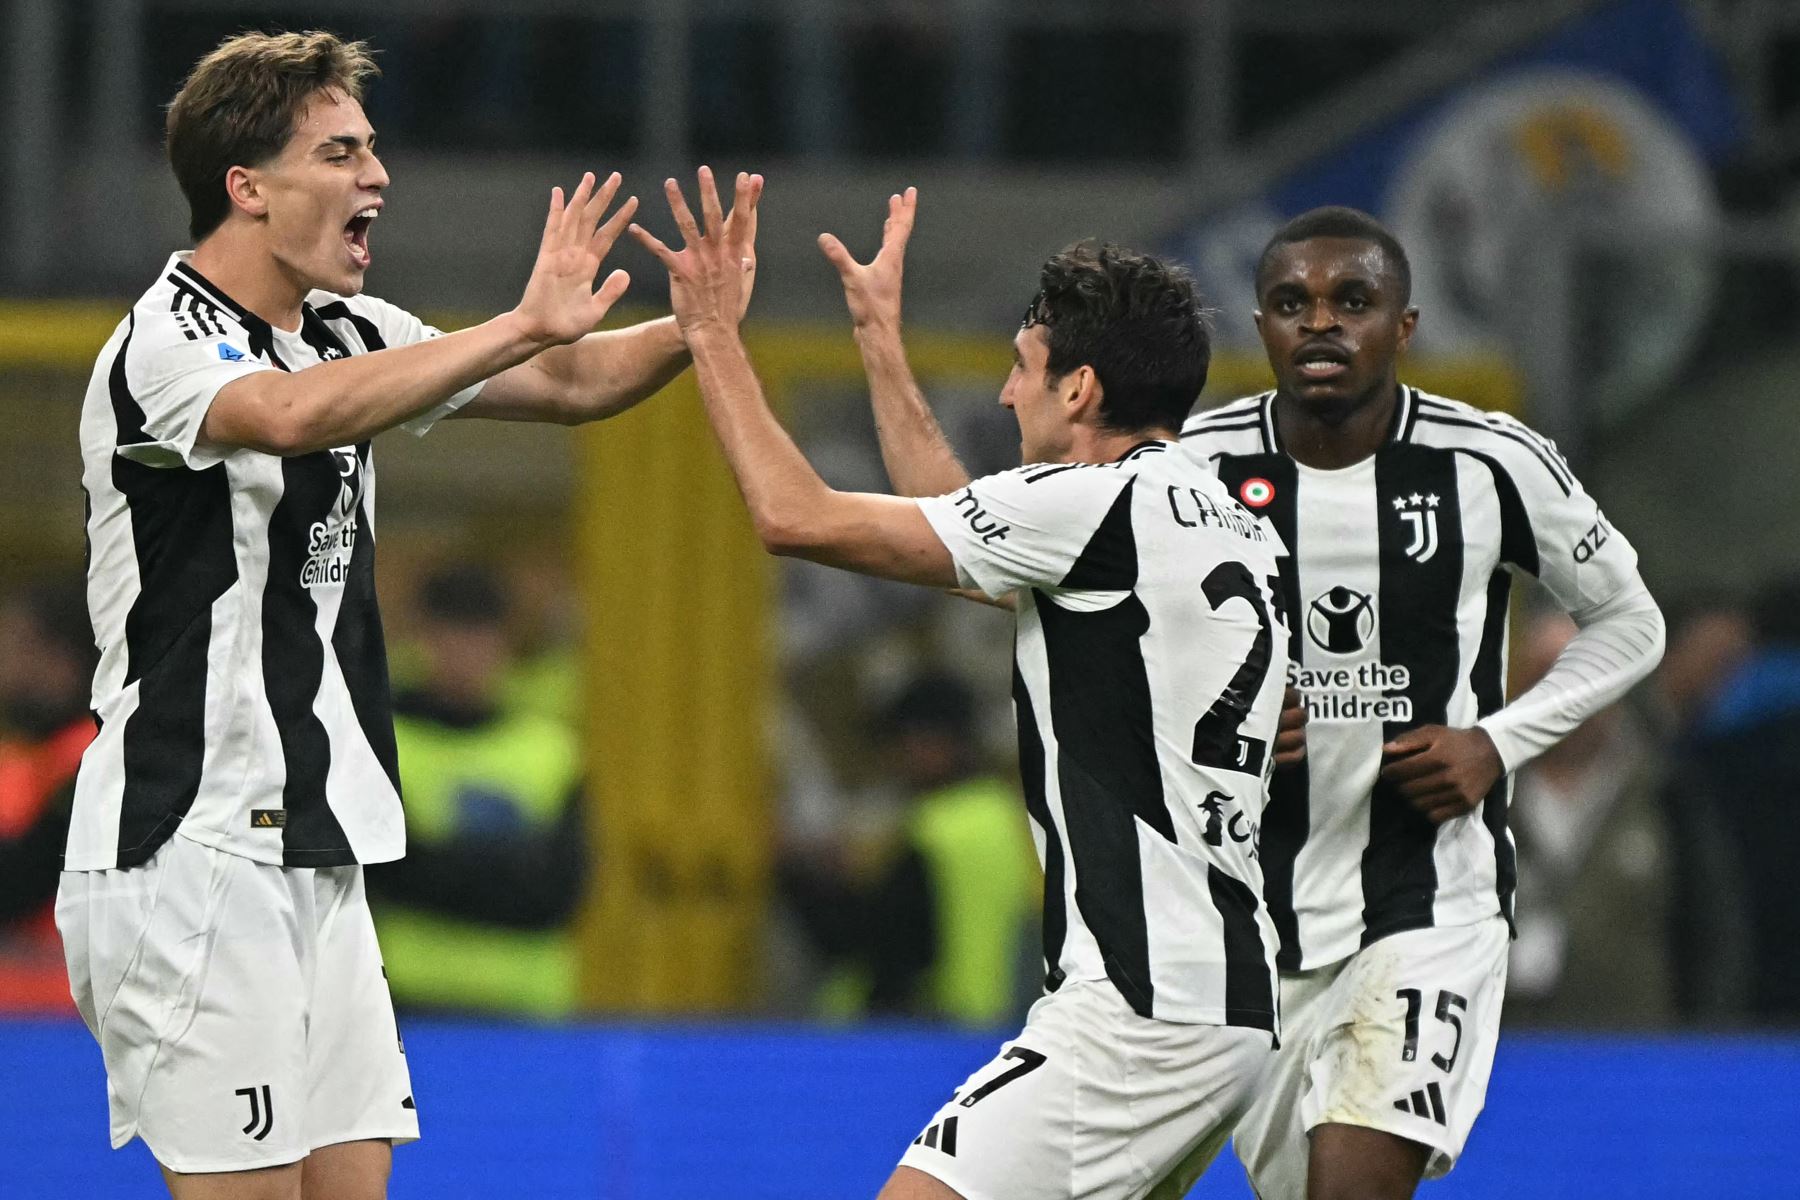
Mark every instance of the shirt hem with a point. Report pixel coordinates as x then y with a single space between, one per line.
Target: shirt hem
1377 933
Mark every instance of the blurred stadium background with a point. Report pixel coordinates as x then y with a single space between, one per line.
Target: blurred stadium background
1601 199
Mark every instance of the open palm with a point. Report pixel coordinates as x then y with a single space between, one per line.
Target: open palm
872 290
710 277
560 303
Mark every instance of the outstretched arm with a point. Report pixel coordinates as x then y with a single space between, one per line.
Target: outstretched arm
918 457
345 401
608 372
795 512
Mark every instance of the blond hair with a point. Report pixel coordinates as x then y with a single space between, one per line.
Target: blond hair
240 104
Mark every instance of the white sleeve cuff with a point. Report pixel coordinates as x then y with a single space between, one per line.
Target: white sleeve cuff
1620 642
421 425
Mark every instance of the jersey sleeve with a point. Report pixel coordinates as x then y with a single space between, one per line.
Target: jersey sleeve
397 327
1573 550
1024 528
171 372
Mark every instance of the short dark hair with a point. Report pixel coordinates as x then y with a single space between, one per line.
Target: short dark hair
1137 321
1338 221
240 104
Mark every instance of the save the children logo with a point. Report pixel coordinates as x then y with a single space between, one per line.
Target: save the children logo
330 543
1341 621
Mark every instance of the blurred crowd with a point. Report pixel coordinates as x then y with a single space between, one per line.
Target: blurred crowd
1654 844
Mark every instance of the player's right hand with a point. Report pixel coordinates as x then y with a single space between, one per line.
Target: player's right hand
872 290
1290 735
560 304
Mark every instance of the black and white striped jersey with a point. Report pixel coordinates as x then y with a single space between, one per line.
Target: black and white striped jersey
242 690
1397 587
1148 680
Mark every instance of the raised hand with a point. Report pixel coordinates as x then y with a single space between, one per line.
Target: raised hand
710 277
872 290
560 303
740 233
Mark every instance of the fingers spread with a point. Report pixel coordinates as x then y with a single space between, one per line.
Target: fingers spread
577 203
900 226
612 289
553 220
601 243
602 197
654 245
836 254
684 218
709 204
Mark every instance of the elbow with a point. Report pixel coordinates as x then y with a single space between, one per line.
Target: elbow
784 535
572 406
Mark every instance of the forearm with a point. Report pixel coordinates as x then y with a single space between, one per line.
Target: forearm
1619 643
597 377
780 488
348 400
918 457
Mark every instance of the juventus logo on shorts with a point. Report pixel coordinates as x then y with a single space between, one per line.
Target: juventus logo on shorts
1420 512
262 1111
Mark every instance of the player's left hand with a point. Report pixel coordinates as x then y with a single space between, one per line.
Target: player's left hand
872 290
710 276
1443 772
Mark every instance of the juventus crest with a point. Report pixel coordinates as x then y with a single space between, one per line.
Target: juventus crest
1420 513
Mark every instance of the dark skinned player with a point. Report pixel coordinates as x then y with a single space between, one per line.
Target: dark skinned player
1388 866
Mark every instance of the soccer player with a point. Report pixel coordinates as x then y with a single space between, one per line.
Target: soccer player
1387 863
1148 687
212 906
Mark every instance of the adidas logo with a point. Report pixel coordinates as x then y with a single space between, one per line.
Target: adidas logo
1427 1103
941 1136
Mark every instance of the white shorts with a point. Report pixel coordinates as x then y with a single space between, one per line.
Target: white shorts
1398 1037
241 1007
1090 1100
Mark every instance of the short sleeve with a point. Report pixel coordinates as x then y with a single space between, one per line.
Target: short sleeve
393 326
171 372
1024 528
1572 548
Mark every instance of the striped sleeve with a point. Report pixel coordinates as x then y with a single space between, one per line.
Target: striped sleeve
1581 558
175 363
1026 527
